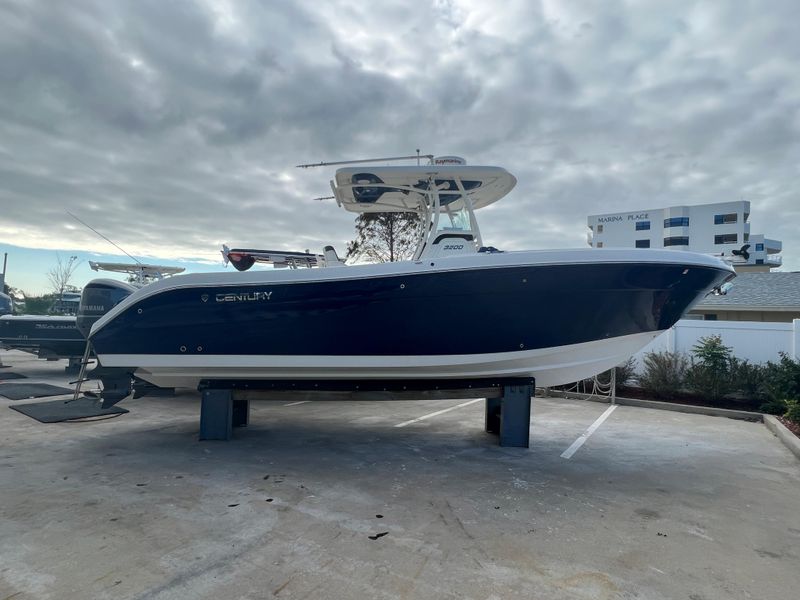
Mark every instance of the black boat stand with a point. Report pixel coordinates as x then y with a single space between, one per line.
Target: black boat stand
226 404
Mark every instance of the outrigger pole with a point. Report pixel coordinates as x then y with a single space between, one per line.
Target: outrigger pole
416 156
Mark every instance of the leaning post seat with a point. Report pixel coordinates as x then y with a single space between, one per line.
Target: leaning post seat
331 258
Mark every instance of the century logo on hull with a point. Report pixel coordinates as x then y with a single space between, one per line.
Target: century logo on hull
243 297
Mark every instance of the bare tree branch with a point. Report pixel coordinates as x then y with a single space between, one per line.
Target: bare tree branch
384 237
61 274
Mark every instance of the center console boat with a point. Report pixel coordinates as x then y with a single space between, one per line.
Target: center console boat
458 309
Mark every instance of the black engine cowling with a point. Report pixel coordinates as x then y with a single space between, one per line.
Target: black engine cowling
99 297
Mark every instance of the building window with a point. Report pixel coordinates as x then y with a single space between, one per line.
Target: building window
710 317
759 247
642 243
759 261
676 222
725 219
599 229
676 240
746 216
642 225
726 238
746 236
599 244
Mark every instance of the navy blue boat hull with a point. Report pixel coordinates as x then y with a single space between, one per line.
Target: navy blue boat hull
460 312
48 337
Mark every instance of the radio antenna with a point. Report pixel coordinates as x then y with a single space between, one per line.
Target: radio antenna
138 262
366 160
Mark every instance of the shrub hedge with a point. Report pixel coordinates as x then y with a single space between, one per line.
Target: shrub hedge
713 373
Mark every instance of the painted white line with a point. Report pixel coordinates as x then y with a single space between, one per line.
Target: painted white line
437 413
585 435
296 403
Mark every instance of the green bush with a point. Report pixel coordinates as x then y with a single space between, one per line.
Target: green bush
782 379
773 407
748 378
664 373
793 411
710 373
38 305
625 371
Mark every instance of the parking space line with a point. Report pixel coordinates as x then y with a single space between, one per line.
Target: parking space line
437 413
296 403
585 435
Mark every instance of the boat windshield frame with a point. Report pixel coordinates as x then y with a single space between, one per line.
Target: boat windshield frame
426 203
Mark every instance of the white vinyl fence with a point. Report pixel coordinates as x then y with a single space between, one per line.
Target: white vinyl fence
755 341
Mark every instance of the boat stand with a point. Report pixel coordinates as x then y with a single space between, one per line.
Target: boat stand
509 415
226 404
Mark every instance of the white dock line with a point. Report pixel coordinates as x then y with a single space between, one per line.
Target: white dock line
296 403
585 435
437 413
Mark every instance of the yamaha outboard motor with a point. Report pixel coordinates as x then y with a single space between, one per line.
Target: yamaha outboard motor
98 297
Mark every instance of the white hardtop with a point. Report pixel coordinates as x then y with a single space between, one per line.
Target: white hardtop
369 189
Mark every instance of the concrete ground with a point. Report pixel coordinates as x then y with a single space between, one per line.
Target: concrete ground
654 505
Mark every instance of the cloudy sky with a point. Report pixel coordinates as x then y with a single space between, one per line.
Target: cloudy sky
173 127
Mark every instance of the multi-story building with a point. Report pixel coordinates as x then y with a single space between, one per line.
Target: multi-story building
717 229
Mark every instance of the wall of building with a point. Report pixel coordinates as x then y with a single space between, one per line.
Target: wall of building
717 228
756 342
620 229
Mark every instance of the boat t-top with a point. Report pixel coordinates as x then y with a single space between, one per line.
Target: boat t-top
444 195
459 309
138 273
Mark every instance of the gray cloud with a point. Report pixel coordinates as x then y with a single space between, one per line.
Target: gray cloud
174 126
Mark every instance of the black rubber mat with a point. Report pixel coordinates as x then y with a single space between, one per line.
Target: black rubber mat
21 391
9 375
58 411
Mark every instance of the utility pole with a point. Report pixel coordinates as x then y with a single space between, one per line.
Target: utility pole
3 274
2 288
